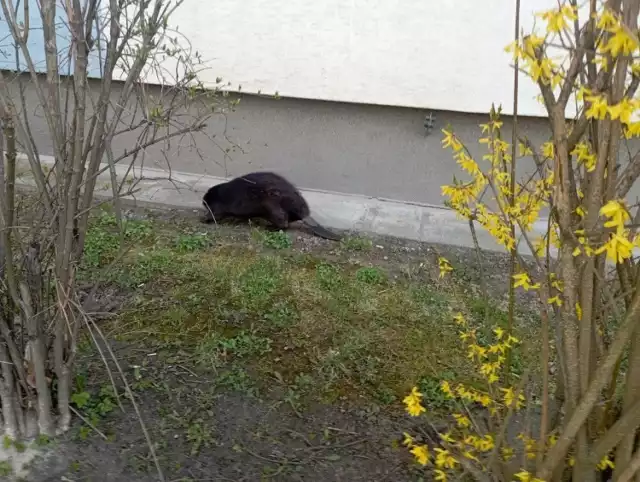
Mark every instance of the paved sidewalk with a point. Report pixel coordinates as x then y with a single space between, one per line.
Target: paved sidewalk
335 210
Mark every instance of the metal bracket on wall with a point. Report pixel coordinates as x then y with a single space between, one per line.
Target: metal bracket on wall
429 123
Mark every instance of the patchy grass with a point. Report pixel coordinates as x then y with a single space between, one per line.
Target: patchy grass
188 242
373 275
355 330
356 243
274 239
290 321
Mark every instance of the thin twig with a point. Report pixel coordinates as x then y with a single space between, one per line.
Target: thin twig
512 200
93 427
133 402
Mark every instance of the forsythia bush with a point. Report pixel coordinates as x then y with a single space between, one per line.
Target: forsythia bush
580 180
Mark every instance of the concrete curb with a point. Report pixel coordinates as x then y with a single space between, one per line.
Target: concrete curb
339 211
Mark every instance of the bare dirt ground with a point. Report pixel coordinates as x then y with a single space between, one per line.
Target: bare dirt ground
266 356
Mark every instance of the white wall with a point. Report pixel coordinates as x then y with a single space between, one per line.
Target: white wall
432 54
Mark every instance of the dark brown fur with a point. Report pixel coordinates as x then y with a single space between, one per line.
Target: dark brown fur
263 195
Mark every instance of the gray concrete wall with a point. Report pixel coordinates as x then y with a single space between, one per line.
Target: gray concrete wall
358 149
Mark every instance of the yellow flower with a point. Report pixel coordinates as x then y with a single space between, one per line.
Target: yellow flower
557 19
498 348
522 279
477 351
450 140
618 248
445 266
471 440
446 388
459 319
548 149
617 214
620 42
607 20
468 455
510 398
541 70
531 43
408 440
485 444
489 370
632 130
525 150
602 62
467 163
444 459
412 402
622 110
555 300
440 475
557 79
517 53
421 453
606 462
483 400
539 246
525 476
462 421
507 453
447 437
582 152
598 107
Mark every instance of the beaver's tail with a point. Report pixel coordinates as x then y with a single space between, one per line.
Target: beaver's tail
319 230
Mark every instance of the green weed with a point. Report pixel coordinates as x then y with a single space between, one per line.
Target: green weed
5 468
259 282
138 230
186 243
434 398
199 434
100 248
281 315
356 243
93 406
148 266
216 350
328 277
372 276
237 379
276 239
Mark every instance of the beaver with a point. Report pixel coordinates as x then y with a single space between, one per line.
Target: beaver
263 195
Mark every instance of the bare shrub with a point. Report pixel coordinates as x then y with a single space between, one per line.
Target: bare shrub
43 235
